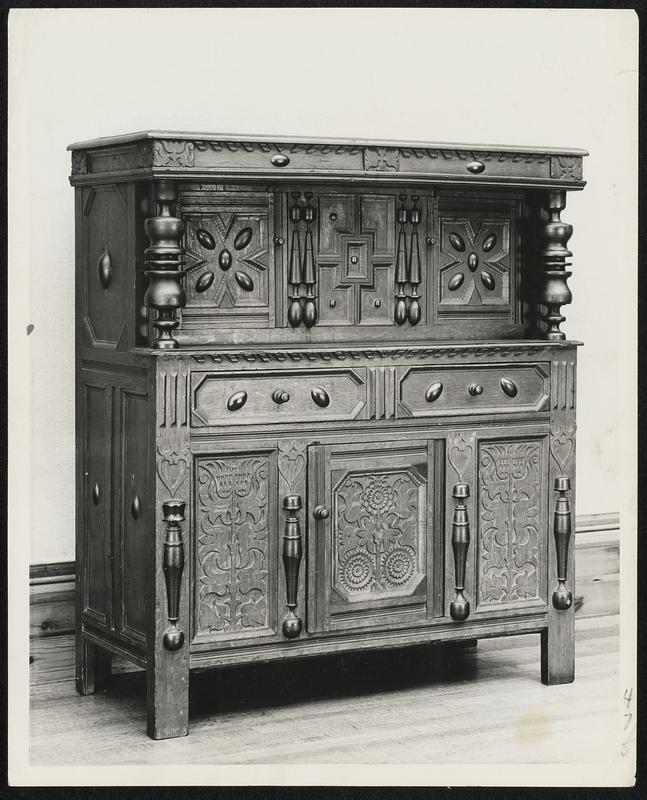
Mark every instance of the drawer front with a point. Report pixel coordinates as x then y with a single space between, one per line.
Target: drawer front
474 389
262 398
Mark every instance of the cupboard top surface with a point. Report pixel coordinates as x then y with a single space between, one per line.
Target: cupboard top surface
125 138
205 156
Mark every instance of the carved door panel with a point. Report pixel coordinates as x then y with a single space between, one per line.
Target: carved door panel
241 515
372 511
507 508
96 491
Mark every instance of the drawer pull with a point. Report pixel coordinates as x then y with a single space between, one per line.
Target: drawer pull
434 392
236 401
320 512
475 389
135 508
320 396
96 494
279 160
509 387
280 396
104 268
475 167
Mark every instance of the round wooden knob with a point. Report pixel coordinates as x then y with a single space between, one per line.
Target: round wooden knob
475 389
280 396
321 512
279 241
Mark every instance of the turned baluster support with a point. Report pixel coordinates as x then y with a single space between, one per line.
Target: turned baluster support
562 597
163 260
173 563
401 266
459 608
555 292
413 311
309 277
295 312
292 553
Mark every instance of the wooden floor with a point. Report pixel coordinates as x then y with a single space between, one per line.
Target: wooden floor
429 704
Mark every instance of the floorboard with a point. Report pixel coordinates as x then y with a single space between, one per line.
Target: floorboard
427 704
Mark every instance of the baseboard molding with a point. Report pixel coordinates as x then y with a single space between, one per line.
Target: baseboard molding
51 597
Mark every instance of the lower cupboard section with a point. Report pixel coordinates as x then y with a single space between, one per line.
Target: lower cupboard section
418 537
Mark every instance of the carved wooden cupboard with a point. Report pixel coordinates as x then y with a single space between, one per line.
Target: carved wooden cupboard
323 402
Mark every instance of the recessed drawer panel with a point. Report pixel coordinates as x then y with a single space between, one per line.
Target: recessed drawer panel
261 398
473 389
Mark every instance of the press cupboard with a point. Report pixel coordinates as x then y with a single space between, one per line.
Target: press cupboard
324 402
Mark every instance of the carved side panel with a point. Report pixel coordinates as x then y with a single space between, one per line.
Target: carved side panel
512 521
235 518
228 246
379 533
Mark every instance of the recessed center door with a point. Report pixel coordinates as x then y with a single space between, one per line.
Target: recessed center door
371 519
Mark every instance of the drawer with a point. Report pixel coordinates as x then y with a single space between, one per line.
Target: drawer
474 389
276 396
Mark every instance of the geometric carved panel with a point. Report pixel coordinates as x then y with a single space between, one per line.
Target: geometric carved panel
233 544
510 521
355 254
379 533
474 268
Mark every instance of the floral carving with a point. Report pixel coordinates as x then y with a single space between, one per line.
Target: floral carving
562 444
173 154
172 467
510 496
459 453
379 540
566 168
382 159
292 463
232 526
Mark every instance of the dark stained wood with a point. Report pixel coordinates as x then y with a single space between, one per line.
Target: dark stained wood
333 336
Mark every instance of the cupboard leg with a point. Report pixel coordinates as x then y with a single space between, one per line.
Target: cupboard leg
558 654
168 700
93 667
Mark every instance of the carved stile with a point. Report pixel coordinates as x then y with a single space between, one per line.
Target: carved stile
173 568
292 554
459 608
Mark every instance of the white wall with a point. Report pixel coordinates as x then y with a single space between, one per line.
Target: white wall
552 78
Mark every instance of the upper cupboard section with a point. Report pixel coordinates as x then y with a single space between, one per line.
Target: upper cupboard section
305 263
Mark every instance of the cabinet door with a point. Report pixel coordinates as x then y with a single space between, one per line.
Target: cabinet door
373 513
235 545
507 508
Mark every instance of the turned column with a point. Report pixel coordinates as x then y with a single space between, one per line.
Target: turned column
292 554
459 608
163 259
555 292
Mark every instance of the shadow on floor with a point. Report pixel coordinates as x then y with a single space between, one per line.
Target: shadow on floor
284 683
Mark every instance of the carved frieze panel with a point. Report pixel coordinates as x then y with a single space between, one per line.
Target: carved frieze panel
233 549
511 521
378 536
475 267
